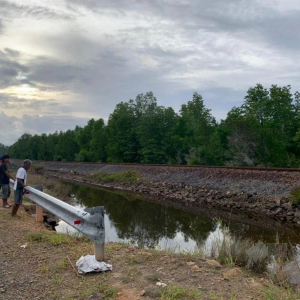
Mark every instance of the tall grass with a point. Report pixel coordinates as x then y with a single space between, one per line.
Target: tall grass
285 271
235 251
51 186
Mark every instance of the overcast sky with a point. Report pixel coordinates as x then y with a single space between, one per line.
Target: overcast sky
63 62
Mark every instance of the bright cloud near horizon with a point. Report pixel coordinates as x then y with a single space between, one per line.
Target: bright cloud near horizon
63 62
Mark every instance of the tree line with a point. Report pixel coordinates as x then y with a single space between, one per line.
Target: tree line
3 149
263 131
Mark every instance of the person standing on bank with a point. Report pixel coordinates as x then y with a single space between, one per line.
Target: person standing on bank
20 184
4 180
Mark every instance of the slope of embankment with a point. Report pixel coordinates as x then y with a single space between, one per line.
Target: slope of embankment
259 192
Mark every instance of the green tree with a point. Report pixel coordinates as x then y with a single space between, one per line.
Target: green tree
66 147
122 144
155 134
242 138
21 148
261 131
50 145
98 141
83 139
197 126
143 103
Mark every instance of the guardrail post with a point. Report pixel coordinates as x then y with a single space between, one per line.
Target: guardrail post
99 250
38 208
39 213
99 243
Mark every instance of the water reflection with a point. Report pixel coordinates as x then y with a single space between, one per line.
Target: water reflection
131 219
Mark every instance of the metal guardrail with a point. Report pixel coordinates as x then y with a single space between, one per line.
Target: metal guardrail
89 222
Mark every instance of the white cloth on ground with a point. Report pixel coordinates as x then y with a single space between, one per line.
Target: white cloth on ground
88 264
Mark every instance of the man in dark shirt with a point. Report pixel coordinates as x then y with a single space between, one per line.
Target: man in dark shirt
4 180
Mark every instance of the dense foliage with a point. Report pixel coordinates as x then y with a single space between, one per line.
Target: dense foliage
264 130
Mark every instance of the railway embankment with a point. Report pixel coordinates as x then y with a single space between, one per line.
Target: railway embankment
259 192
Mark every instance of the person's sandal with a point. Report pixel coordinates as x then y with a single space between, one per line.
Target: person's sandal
7 206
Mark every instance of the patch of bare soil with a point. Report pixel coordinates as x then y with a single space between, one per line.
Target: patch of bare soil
36 263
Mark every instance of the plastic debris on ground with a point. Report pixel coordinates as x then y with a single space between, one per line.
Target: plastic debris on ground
88 264
161 284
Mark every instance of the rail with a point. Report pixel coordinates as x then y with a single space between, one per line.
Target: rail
246 168
89 222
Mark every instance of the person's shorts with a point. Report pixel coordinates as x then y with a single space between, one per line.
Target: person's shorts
5 191
18 196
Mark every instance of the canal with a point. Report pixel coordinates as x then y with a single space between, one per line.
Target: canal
136 219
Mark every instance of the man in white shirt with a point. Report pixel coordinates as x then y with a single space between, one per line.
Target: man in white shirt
20 184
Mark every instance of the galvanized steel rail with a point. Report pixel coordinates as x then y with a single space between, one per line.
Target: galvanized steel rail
89 222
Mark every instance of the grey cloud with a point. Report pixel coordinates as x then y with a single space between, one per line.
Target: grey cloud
10 9
280 30
11 53
50 124
184 12
49 105
110 78
9 69
9 72
33 124
251 22
113 69
51 72
10 132
247 20
110 63
101 73
5 99
102 70
36 104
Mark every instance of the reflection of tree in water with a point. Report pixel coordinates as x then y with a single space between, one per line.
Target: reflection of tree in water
143 222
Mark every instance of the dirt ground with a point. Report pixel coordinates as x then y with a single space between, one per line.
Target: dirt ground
36 263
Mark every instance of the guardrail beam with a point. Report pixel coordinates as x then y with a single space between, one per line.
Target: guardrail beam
89 222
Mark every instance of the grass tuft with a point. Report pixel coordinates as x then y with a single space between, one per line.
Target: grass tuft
175 292
52 238
36 237
295 195
129 176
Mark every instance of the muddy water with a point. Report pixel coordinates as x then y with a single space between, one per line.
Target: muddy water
133 218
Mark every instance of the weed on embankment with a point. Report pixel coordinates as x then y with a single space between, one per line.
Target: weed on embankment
129 176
